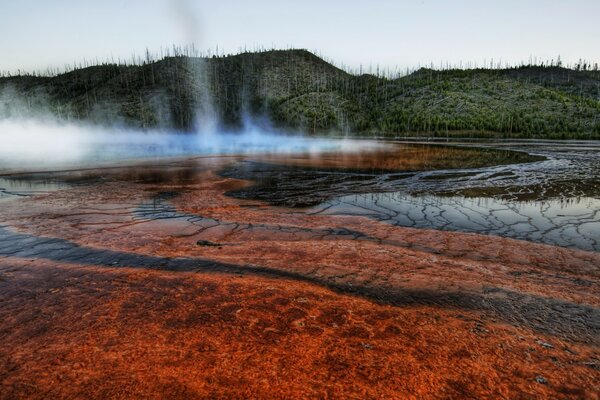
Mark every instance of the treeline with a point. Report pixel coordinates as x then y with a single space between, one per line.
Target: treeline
295 89
190 51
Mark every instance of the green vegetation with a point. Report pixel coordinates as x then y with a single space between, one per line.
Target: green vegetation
295 89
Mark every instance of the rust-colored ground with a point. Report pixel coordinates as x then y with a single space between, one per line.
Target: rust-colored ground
284 305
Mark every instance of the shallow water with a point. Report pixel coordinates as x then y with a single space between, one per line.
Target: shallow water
573 222
548 192
554 199
14 187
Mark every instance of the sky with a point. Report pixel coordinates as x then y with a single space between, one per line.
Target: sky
35 34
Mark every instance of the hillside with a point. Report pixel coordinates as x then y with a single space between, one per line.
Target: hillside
294 89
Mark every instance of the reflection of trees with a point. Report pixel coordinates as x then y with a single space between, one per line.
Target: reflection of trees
546 221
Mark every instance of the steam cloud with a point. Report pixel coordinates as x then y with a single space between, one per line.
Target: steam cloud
38 143
31 137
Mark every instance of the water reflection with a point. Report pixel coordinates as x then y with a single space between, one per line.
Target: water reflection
573 222
11 188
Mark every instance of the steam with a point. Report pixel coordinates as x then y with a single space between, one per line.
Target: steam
27 142
34 135
47 144
188 18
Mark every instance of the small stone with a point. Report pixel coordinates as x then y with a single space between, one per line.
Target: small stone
541 379
545 344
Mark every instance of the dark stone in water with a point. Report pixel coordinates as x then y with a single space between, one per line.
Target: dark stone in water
208 243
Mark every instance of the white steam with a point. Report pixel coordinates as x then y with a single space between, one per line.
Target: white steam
34 143
34 137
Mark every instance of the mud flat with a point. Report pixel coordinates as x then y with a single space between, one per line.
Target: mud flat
108 289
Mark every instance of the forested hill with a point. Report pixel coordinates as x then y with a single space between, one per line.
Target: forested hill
297 90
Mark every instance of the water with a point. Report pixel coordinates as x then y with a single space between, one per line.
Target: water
567 222
554 201
14 187
552 198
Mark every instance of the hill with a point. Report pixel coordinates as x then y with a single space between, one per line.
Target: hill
294 89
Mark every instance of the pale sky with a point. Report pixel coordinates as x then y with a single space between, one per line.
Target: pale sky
37 33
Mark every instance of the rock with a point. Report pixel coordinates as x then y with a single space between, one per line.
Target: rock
207 243
541 379
545 344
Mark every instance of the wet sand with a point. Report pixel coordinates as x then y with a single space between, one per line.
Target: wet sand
154 282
